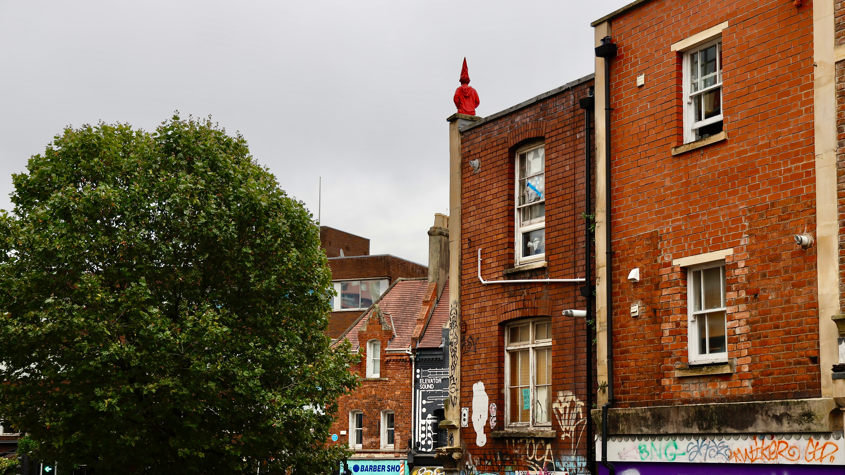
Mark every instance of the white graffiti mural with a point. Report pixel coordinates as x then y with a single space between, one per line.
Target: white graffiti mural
569 412
538 456
479 413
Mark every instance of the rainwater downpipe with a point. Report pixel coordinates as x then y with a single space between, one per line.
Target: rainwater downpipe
607 50
588 104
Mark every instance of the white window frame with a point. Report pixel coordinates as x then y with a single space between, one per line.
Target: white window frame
384 429
690 126
518 228
692 317
373 357
532 345
355 429
337 305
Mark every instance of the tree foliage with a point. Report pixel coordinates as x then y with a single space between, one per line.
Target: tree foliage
162 307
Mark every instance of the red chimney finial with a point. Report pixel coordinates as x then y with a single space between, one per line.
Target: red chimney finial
466 98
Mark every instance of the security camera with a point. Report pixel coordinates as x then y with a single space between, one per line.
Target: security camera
803 240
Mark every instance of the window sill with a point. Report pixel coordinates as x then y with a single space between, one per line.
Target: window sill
688 371
374 379
523 434
688 147
526 267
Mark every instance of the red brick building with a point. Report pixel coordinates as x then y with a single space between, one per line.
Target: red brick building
377 419
719 275
523 374
359 278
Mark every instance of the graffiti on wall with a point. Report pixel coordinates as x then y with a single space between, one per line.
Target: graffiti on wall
492 415
569 412
538 456
432 387
428 471
768 450
479 413
469 344
454 350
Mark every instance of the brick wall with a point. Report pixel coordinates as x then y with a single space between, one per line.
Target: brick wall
334 240
391 391
488 224
370 267
750 193
839 20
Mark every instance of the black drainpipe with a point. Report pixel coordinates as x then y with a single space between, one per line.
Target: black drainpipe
607 50
588 104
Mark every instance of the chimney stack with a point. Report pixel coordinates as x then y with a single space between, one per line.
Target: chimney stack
438 251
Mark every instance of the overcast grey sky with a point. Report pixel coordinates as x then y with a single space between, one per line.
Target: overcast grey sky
353 91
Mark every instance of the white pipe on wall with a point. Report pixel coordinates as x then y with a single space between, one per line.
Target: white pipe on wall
519 281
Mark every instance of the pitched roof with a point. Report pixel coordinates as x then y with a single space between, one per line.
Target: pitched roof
400 303
433 336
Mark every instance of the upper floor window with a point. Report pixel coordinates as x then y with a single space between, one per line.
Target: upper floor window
530 204
357 294
703 91
356 429
388 432
707 313
528 373
373 358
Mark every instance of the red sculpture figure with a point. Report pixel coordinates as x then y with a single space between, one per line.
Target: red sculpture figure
466 99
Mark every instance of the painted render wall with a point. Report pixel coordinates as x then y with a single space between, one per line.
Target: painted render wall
749 194
487 223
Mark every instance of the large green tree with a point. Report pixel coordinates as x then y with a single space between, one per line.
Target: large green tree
162 308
